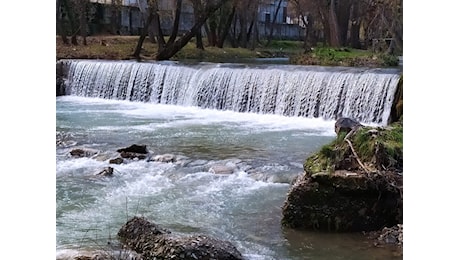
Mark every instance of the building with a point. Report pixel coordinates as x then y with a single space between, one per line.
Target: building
125 18
283 28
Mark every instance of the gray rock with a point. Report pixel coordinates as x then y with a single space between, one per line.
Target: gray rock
221 169
345 124
154 242
83 152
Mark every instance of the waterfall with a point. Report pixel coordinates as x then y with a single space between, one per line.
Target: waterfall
306 91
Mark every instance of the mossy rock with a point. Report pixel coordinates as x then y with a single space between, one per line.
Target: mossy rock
379 149
338 194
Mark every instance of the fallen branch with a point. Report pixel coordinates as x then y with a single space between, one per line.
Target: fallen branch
353 150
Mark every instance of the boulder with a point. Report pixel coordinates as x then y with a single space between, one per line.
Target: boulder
83 152
345 124
117 160
343 202
337 193
108 171
154 242
134 149
131 155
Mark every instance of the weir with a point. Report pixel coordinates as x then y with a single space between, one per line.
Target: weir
364 94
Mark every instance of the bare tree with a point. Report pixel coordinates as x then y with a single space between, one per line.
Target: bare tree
60 26
210 7
220 22
272 24
76 13
168 49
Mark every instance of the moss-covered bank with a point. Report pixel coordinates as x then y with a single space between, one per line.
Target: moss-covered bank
352 184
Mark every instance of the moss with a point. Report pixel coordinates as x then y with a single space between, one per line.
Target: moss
378 148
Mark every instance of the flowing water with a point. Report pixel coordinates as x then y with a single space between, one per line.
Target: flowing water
264 151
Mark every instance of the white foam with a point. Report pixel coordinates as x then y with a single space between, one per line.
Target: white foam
179 116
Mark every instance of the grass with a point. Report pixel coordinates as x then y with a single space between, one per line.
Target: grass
327 56
381 146
122 47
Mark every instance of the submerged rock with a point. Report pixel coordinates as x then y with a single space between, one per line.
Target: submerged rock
154 242
117 160
166 158
108 171
222 169
388 236
83 152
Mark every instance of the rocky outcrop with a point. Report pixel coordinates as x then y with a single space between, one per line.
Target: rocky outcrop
336 193
134 152
345 124
142 149
154 242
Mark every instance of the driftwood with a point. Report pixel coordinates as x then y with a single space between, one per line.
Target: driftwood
353 150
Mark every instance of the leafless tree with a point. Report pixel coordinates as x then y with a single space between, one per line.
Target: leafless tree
168 49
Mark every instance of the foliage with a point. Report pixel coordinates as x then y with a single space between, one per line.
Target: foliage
327 56
389 60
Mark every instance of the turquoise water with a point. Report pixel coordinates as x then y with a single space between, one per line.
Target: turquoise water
264 152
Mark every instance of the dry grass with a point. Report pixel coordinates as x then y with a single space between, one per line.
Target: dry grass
122 48
103 47
115 47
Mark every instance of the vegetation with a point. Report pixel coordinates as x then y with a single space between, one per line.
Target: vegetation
122 48
335 32
328 56
380 149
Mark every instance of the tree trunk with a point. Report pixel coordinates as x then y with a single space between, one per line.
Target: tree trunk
175 28
114 18
343 17
137 51
83 23
242 39
272 25
199 38
168 52
211 38
226 29
355 26
158 32
60 28
73 28
308 21
323 14
334 26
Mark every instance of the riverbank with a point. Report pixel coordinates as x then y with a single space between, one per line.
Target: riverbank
111 47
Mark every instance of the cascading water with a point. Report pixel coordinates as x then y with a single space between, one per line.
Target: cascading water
180 111
363 94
